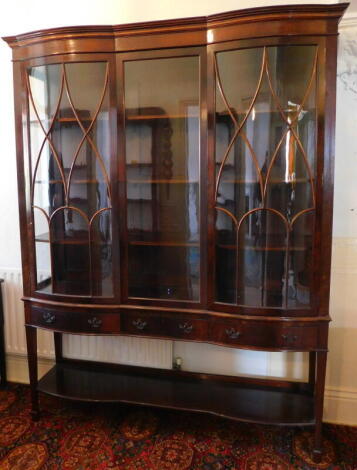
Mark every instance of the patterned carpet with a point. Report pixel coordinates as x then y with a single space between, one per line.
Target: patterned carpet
74 436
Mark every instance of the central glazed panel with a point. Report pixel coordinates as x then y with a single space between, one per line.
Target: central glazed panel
162 132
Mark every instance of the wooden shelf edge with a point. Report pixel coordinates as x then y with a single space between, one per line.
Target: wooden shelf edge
97 382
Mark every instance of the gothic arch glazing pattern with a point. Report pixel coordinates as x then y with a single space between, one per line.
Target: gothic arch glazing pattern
70 154
265 170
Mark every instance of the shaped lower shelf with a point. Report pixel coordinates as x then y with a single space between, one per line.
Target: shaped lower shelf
227 399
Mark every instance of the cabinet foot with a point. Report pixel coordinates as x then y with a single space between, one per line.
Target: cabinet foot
35 415
316 455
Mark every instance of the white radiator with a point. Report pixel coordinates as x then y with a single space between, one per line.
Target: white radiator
117 349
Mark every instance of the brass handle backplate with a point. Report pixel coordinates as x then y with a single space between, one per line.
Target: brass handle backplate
94 322
139 324
49 317
186 327
232 333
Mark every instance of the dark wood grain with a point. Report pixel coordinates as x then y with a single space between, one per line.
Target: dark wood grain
31 340
321 358
114 172
58 342
77 322
269 327
250 404
264 335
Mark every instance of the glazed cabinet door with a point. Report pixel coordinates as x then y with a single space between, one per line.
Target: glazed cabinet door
71 149
162 237
265 126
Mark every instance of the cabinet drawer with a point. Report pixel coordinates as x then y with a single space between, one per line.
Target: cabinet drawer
76 322
297 337
264 335
139 323
185 328
228 332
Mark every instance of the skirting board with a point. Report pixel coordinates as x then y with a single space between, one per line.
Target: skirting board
340 405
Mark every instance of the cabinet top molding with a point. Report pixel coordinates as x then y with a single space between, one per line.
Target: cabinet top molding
280 20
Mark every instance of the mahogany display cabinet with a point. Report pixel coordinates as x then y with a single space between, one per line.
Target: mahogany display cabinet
176 181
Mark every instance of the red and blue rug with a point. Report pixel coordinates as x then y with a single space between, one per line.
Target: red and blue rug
75 436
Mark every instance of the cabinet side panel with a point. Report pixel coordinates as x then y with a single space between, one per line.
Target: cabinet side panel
23 172
326 152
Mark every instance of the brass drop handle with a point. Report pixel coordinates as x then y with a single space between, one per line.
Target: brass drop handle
186 327
232 333
49 317
289 338
139 324
94 322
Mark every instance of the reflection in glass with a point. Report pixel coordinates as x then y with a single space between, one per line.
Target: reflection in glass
101 254
265 159
42 247
162 168
300 265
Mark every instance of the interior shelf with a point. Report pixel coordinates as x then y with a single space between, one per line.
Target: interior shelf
270 181
86 382
262 248
163 243
45 238
150 117
136 164
73 181
62 120
161 181
273 112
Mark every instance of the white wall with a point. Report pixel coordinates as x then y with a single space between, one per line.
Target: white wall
341 403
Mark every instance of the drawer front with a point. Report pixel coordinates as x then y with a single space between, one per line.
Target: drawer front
264 335
228 332
185 328
76 322
141 324
295 337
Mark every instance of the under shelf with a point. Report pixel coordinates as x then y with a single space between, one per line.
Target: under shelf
251 403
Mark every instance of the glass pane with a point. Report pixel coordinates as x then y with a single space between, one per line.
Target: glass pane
162 158
69 238
300 263
262 248
43 249
101 254
70 160
265 159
